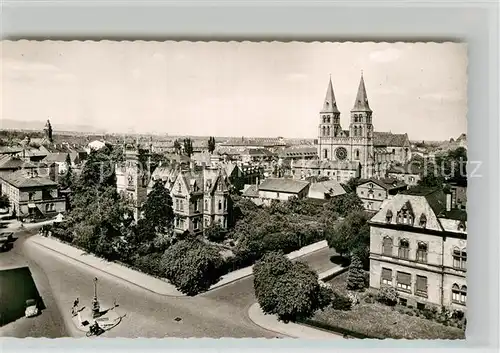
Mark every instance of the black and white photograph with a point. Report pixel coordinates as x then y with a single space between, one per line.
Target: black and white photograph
177 189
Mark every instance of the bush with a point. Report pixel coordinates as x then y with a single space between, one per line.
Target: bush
356 276
341 302
325 296
192 266
388 296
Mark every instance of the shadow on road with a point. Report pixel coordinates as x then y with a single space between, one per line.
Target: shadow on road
16 286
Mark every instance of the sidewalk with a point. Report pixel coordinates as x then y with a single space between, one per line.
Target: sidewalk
248 271
137 278
153 284
271 323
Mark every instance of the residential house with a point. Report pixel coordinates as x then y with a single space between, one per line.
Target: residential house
374 191
418 245
298 153
32 196
279 189
410 173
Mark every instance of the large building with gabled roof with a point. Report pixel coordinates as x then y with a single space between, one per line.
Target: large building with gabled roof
418 245
374 151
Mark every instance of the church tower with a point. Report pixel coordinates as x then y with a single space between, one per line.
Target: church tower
329 124
361 131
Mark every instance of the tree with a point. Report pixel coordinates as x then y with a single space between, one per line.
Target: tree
67 179
157 210
288 289
4 201
352 184
192 266
211 144
356 275
344 204
177 146
350 236
188 147
215 233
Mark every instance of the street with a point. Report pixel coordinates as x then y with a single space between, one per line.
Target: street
219 313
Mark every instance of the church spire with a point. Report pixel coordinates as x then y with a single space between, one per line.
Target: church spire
330 104
361 103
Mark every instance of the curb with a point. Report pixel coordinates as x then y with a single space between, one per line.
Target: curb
110 274
214 287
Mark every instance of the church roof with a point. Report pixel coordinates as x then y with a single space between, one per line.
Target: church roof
361 103
389 139
330 103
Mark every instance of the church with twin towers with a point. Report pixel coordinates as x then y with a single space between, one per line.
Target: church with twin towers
359 146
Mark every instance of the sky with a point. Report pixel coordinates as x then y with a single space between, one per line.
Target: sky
234 88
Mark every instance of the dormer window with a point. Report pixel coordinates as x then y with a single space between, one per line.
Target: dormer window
388 216
423 220
179 187
405 215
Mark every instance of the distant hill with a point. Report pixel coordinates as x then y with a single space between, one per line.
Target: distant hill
9 124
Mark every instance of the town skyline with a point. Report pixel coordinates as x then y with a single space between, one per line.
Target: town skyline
115 86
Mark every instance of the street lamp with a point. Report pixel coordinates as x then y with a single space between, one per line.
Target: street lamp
95 303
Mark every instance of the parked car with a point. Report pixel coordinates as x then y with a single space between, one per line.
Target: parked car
31 308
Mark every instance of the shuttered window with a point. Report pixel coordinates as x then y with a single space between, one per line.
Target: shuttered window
421 286
387 246
403 281
386 276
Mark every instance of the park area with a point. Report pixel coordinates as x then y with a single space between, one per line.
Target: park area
371 319
16 286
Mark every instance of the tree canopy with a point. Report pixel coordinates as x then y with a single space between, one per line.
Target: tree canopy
211 144
188 147
157 210
192 266
287 289
351 235
344 204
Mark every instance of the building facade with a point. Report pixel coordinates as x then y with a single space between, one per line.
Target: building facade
374 191
418 245
32 196
373 151
340 171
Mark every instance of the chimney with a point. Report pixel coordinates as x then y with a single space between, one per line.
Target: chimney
448 202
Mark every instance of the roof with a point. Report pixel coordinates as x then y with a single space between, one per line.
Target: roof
11 163
390 139
318 164
386 183
330 103
255 141
361 102
10 149
251 191
299 151
56 157
331 187
408 168
21 179
258 152
283 185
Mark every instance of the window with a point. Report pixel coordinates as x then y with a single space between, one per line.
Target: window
461 226
177 204
403 281
206 222
179 188
388 216
404 249
386 277
328 119
206 205
362 192
357 154
338 177
421 286
420 306
459 294
360 131
421 252
387 246
393 151
324 119
423 220
403 301
370 194
31 195
195 224
325 153
220 205
459 258
47 208
181 205
370 205
324 131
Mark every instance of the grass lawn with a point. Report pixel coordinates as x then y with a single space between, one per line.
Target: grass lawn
16 286
381 321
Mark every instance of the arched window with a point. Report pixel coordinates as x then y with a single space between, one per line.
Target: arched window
423 220
387 246
404 249
360 131
324 131
355 131
325 154
360 118
328 119
357 154
458 294
328 130
422 250
206 205
388 216
324 119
